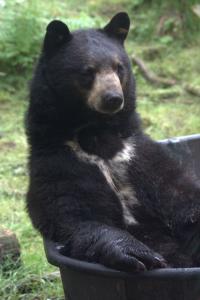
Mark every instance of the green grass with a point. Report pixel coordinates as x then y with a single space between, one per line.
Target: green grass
166 112
28 281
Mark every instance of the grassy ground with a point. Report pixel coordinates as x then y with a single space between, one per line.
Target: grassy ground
28 282
165 113
168 112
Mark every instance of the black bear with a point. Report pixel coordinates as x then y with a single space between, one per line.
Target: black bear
98 184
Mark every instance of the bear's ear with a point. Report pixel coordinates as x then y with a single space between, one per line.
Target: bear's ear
118 27
57 34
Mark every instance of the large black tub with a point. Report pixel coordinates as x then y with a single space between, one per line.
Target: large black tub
88 281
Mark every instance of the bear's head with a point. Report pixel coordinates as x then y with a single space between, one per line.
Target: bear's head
84 76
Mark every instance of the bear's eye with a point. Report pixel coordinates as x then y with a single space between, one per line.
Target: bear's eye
88 71
87 76
120 70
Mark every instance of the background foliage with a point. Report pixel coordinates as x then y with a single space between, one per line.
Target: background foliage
164 33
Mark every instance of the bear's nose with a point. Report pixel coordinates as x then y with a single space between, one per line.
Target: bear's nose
112 102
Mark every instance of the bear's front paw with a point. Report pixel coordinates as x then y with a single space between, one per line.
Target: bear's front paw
123 252
113 248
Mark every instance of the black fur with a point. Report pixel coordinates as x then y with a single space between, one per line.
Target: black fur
69 200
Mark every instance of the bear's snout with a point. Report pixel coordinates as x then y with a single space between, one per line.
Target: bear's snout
112 102
106 95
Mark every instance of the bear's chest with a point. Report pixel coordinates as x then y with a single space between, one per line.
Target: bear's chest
116 173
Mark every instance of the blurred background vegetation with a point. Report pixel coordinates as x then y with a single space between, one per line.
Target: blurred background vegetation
165 34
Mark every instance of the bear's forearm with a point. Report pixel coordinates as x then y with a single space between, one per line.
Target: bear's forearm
113 247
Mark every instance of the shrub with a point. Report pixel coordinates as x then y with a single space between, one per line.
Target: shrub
24 23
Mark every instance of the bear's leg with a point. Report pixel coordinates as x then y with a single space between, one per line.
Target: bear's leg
169 194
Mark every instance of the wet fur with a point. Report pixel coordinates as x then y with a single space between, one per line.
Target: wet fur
75 194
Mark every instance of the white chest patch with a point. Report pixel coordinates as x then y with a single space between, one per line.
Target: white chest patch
115 171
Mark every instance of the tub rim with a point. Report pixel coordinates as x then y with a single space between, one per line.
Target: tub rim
55 258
